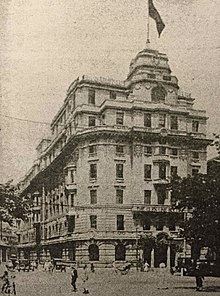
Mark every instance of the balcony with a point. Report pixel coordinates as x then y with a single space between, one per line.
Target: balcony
161 158
161 181
71 186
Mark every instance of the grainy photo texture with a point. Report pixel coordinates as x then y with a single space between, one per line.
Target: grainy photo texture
109 147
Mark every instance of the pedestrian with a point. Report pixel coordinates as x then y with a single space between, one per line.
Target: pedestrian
163 276
74 276
92 267
146 266
199 278
115 270
85 280
6 283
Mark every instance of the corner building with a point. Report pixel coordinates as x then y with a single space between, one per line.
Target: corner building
100 182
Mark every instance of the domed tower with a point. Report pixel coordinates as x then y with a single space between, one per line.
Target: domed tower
150 78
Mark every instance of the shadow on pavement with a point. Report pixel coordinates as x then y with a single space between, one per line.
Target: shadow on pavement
205 289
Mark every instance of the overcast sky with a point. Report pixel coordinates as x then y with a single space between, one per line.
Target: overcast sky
46 44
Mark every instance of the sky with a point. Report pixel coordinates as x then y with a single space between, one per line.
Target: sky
46 44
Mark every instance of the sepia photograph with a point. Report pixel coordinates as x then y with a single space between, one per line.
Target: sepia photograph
110 147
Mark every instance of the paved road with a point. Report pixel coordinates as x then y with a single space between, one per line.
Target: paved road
106 283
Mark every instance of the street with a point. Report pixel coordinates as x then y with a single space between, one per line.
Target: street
105 282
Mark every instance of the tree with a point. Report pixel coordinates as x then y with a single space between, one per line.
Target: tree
12 205
199 198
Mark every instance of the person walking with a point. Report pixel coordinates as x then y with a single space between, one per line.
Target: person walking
92 268
163 276
146 266
199 278
74 276
85 279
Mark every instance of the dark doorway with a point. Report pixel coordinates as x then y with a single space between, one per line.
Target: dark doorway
120 252
160 255
147 254
93 252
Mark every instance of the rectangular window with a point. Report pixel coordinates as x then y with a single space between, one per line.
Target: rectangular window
119 118
174 123
162 150
147 171
195 155
112 95
195 172
119 196
148 150
147 119
91 120
119 149
119 171
162 171
91 96
93 171
92 149
174 151
195 126
173 171
147 197
161 196
72 195
120 222
93 221
71 223
72 176
93 196
162 120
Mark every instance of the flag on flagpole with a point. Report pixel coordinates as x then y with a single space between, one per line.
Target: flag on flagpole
154 14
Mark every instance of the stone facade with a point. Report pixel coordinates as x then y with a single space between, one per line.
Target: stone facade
99 184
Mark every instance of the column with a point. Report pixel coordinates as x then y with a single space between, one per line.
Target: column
168 257
152 258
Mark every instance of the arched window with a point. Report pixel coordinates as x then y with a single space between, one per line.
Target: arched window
93 252
158 94
120 252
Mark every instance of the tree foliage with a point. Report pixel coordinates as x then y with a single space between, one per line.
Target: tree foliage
12 205
199 197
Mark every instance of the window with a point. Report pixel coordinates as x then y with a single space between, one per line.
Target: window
147 197
195 171
120 222
91 120
195 155
71 223
93 252
160 225
93 196
119 196
119 118
93 221
147 171
162 171
148 150
174 151
173 171
162 120
119 171
195 126
112 95
92 149
158 94
72 197
91 96
162 150
72 176
161 195
174 123
93 171
120 252
147 119
146 223
119 149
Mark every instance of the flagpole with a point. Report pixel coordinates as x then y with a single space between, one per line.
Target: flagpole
148 25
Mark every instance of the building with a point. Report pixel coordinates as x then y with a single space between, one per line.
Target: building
99 184
8 241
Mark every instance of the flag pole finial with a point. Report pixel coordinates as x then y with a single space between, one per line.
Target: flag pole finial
148 25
